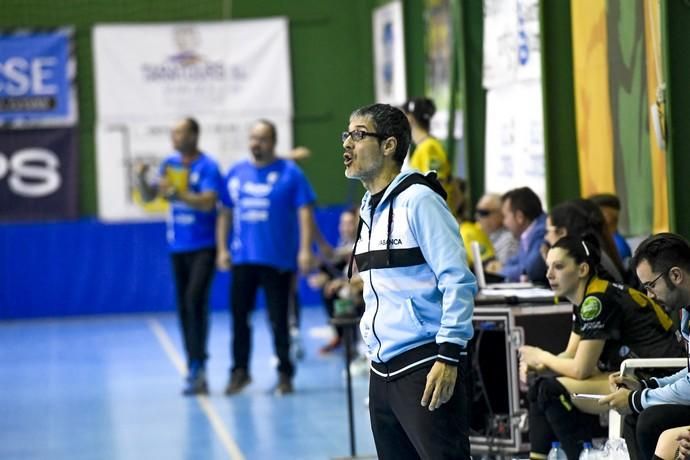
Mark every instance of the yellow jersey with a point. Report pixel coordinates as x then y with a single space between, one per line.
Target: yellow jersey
429 155
471 231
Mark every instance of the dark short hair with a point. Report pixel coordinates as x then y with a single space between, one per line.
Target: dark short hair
422 109
524 199
663 251
389 121
606 200
271 127
193 125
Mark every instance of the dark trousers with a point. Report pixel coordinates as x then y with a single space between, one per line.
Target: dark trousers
403 429
641 433
246 279
193 275
554 417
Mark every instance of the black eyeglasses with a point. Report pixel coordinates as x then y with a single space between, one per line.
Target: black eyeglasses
483 212
359 135
650 285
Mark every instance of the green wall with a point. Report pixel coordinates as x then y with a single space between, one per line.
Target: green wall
470 54
331 68
675 17
560 135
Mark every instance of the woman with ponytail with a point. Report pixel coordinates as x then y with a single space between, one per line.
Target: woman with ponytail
611 322
428 154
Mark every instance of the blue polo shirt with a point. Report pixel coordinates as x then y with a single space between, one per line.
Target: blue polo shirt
190 229
265 201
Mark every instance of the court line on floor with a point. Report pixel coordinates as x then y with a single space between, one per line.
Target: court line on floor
178 362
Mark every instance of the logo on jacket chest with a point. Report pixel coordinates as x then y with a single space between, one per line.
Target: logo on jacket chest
391 242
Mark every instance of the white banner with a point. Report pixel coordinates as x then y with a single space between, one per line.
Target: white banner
389 54
215 68
511 42
515 139
149 76
122 146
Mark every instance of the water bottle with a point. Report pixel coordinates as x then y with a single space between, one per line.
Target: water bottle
616 449
556 453
587 453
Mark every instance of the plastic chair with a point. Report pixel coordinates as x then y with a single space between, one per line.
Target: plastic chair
627 367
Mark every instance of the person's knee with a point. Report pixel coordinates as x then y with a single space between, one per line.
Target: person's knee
668 437
646 422
551 391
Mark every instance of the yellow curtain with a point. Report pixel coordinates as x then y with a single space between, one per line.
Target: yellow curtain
592 99
652 26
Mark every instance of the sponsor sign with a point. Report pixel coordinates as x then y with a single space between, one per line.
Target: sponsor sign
201 69
439 44
389 54
37 78
38 174
515 139
512 50
224 74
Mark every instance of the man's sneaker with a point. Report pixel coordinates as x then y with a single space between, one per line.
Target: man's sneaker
284 386
238 380
196 383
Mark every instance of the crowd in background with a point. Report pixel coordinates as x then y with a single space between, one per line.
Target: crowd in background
257 219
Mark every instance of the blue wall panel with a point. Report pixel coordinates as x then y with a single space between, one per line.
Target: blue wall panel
90 267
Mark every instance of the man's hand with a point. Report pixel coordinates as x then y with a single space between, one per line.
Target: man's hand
626 381
223 260
141 169
166 189
493 266
299 153
440 384
317 280
618 400
305 261
333 286
684 445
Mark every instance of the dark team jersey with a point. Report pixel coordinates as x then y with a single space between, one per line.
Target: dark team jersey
632 324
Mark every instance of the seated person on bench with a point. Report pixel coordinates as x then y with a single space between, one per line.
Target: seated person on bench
611 322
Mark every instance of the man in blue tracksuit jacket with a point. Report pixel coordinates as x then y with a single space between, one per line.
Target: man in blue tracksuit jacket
662 263
418 293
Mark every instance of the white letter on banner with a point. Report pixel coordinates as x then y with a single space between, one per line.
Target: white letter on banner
3 165
13 72
40 71
22 168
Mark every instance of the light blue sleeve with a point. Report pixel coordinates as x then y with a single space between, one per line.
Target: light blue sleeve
438 236
674 389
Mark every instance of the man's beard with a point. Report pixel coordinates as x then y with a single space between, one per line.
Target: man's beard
260 155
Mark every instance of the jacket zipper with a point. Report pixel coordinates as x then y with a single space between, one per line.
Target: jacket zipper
371 283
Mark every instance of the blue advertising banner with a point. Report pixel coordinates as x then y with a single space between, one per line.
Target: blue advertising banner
37 78
38 174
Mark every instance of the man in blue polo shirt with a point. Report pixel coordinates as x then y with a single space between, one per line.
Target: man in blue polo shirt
268 202
190 181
